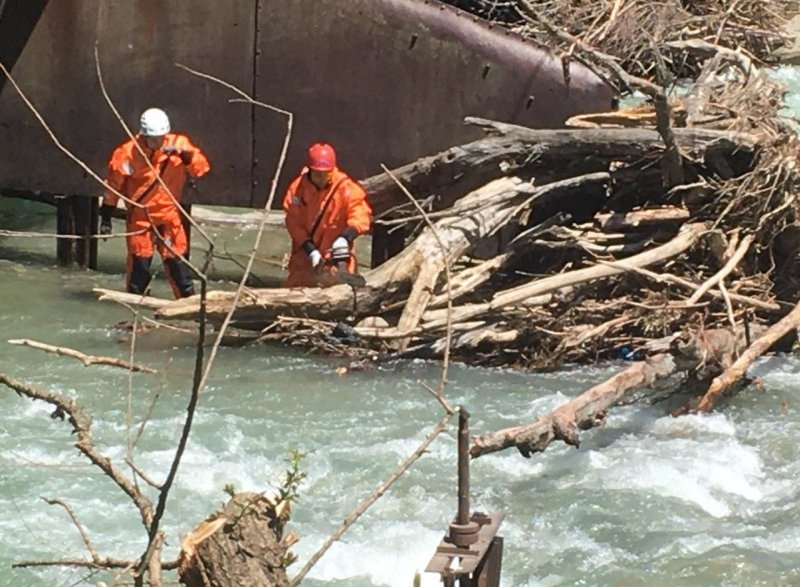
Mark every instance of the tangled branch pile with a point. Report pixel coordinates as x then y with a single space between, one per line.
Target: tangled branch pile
631 30
574 245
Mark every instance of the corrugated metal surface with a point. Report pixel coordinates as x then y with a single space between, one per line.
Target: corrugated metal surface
383 80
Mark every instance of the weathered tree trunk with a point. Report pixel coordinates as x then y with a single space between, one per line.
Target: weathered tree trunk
560 153
589 409
584 412
239 547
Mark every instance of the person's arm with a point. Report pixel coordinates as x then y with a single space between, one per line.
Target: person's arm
295 224
119 168
196 162
359 213
359 218
292 208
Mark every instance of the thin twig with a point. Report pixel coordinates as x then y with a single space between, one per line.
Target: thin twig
720 275
81 529
152 483
264 217
82 425
449 323
365 505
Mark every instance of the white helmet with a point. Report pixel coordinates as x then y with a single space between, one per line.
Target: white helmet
154 123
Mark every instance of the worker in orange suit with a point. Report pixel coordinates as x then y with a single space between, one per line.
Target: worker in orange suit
325 211
156 222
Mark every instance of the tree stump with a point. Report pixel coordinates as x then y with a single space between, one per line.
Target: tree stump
241 545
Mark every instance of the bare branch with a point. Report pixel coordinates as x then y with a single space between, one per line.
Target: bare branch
365 505
82 357
82 425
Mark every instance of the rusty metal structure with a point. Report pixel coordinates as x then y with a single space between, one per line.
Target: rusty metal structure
471 551
385 81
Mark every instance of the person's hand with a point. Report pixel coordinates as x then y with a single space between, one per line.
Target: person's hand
315 257
185 156
105 226
340 250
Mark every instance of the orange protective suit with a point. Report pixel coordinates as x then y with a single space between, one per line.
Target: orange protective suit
129 174
339 209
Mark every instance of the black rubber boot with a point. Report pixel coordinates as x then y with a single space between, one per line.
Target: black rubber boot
139 274
179 277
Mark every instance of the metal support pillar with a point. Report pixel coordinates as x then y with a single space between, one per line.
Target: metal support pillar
76 216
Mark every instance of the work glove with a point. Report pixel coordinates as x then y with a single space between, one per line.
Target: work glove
105 219
315 257
340 250
185 156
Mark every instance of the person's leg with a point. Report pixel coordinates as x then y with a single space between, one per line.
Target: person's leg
140 254
174 244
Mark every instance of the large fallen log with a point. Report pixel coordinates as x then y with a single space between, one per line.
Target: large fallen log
562 153
584 412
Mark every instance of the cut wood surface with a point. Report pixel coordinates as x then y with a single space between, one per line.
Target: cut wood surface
637 218
241 546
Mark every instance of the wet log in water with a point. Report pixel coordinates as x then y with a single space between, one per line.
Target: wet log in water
590 409
736 372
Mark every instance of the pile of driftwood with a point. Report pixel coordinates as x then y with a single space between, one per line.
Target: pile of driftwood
630 29
534 248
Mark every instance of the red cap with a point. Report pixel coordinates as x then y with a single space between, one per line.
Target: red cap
321 157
